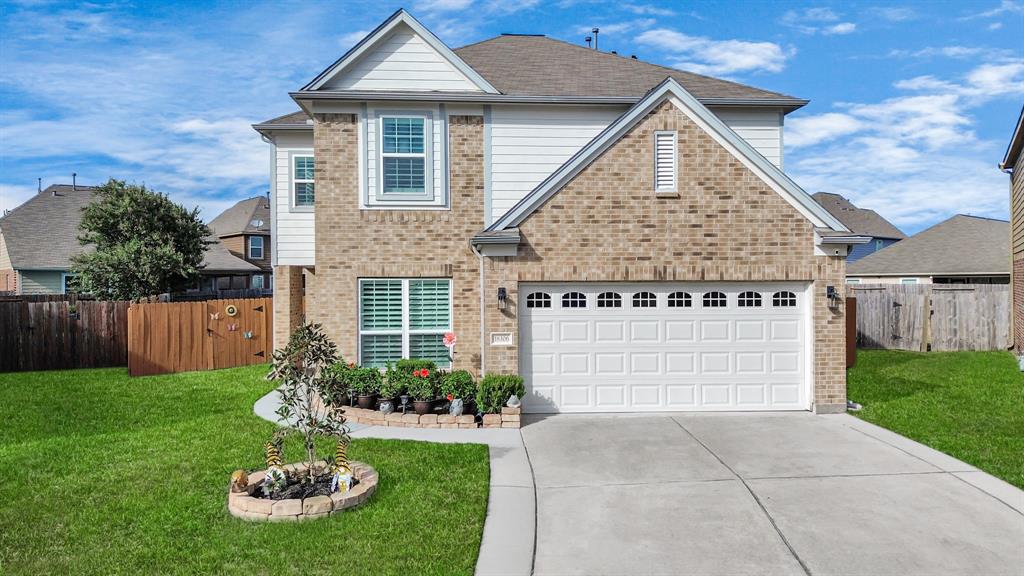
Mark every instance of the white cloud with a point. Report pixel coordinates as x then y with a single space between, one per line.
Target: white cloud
893 13
995 26
12 195
619 27
1005 7
350 39
442 5
955 51
706 56
915 158
818 20
648 10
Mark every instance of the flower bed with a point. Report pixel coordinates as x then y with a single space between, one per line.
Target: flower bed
247 505
508 418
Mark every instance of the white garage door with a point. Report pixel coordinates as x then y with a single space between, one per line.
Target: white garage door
589 347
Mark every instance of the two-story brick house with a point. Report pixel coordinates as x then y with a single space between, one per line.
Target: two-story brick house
244 229
620 233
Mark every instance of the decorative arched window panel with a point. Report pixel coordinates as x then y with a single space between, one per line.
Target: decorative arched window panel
784 299
714 300
645 300
609 300
574 300
679 300
749 299
538 300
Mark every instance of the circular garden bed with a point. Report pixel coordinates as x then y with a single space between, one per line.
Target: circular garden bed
298 502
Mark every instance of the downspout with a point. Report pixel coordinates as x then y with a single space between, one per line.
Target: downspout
483 347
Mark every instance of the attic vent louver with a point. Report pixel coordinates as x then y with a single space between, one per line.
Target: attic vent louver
665 163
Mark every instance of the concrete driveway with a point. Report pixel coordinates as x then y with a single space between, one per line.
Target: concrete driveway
791 493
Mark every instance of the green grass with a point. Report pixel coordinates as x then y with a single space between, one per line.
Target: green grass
969 405
105 474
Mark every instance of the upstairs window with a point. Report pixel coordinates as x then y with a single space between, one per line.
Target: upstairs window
256 247
665 161
405 170
303 167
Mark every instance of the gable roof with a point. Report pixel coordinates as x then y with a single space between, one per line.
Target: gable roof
961 245
1013 151
42 233
706 120
400 17
526 65
858 220
242 218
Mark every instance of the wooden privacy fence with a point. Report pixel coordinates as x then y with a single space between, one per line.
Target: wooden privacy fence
940 317
185 336
49 334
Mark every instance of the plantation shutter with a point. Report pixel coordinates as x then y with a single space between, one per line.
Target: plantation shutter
665 161
379 349
429 347
429 306
382 305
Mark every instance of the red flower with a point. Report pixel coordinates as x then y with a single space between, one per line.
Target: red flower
451 397
351 364
424 373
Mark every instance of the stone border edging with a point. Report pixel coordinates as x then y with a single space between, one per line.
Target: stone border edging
509 418
243 505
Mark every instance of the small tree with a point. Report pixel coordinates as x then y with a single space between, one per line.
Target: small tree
301 368
144 244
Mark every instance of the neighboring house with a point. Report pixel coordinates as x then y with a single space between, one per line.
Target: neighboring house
1013 162
961 250
619 233
244 229
863 222
39 238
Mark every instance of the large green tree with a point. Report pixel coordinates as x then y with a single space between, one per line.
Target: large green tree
145 244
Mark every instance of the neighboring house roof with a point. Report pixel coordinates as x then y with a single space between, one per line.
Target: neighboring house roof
42 233
1016 144
858 220
962 245
707 120
249 216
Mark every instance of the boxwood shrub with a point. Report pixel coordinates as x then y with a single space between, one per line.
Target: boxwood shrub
495 390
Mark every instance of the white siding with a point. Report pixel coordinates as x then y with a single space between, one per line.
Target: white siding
5 259
402 62
292 229
761 128
530 142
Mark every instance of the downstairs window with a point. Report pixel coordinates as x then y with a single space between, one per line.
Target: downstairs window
404 319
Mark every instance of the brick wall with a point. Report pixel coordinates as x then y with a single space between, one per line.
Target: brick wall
1017 244
8 280
606 225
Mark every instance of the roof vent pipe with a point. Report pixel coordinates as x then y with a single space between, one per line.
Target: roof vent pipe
588 39
633 56
594 32
39 185
74 181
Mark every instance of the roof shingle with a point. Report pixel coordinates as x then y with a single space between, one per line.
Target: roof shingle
858 220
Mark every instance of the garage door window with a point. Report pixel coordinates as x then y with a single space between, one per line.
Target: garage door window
784 299
609 300
714 300
645 300
679 300
574 300
404 319
749 300
538 300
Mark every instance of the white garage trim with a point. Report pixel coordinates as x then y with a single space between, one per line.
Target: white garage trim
605 353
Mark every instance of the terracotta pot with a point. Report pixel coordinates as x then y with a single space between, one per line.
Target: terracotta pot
367 402
422 406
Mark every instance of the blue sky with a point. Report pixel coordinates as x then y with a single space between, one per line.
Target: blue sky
912 104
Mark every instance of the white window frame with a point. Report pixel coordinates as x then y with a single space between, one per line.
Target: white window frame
675 162
64 281
252 282
405 331
292 180
379 196
249 246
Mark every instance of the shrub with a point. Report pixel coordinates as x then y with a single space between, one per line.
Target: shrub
395 383
364 381
408 365
495 390
423 388
458 384
336 383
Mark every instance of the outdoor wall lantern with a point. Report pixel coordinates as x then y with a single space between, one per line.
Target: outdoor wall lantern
502 298
833 297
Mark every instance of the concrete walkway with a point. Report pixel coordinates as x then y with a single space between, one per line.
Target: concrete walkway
508 539
791 493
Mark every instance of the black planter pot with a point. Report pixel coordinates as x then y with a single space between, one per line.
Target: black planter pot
422 406
367 402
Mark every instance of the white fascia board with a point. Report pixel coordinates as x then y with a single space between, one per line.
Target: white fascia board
707 121
381 32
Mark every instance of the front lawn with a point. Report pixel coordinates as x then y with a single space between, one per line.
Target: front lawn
969 405
101 473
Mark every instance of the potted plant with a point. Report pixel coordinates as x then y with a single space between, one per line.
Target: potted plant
460 389
335 390
393 385
364 383
496 389
423 389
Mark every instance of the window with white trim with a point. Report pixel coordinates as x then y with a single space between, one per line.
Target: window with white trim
679 300
645 300
538 300
406 173
749 299
665 161
404 319
256 247
908 280
574 300
714 300
68 283
784 299
257 282
609 300
303 178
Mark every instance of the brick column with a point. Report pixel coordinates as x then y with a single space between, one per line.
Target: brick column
288 308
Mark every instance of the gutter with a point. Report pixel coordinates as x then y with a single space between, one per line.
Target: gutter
848 240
